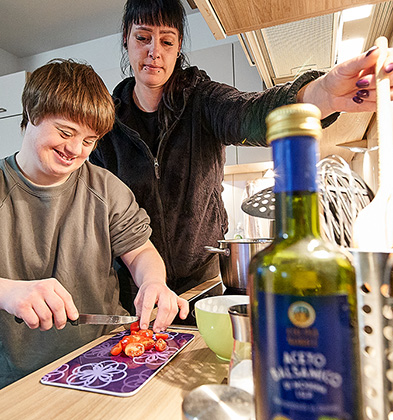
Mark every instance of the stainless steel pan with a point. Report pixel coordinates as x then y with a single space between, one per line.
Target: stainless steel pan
235 256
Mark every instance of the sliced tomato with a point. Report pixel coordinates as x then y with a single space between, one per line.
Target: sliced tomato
134 349
146 333
160 345
116 349
148 343
135 326
125 340
128 339
164 336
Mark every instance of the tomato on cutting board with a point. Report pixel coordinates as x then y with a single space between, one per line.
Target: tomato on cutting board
139 341
116 349
135 326
143 333
148 343
134 349
160 345
129 339
164 336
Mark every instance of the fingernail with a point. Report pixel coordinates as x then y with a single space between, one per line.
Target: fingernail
389 68
371 50
363 93
362 83
357 99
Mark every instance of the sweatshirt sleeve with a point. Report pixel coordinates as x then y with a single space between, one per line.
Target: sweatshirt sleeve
129 223
238 118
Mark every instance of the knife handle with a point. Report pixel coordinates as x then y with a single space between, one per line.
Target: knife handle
72 322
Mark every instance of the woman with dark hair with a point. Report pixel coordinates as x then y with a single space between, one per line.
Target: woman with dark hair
173 123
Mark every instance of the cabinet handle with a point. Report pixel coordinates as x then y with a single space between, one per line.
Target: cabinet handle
3 110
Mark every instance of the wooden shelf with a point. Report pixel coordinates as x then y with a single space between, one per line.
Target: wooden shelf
246 168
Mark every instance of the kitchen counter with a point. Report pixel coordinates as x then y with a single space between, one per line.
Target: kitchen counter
161 397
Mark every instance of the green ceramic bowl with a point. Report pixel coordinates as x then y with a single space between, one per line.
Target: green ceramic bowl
214 323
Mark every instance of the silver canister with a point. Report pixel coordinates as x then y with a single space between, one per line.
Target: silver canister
375 318
218 402
240 367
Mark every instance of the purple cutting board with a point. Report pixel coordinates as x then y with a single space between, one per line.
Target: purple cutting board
97 370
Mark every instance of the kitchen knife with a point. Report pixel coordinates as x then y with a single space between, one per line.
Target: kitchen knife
98 319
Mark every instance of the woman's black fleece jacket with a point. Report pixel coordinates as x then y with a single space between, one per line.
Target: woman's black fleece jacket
181 187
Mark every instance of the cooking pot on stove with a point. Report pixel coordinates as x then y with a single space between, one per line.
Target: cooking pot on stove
235 256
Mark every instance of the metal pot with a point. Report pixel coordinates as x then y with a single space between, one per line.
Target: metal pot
235 256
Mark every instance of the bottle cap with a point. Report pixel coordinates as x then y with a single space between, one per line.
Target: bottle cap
294 120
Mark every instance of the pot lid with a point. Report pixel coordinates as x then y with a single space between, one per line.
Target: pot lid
261 204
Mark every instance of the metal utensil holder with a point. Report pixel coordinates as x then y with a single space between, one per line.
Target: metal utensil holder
375 318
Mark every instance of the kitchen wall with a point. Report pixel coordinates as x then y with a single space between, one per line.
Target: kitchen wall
8 63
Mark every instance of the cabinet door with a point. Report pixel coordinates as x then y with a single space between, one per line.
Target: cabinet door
10 135
11 88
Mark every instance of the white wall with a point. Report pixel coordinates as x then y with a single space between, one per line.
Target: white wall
8 63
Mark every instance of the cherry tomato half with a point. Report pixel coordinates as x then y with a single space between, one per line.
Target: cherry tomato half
160 345
134 349
164 336
116 349
125 340
129 339
135 326
146 333
148 343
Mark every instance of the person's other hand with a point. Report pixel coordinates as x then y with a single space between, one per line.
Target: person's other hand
168 303
40 303
349 86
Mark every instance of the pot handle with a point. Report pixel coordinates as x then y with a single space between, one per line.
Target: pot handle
213 250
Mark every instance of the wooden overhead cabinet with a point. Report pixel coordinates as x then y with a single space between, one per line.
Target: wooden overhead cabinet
232 17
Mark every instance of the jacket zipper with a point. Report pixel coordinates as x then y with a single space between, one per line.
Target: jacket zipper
156 168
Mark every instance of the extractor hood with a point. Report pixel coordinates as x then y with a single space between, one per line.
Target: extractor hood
281 44
282 52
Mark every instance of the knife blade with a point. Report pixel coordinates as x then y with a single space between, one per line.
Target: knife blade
98 319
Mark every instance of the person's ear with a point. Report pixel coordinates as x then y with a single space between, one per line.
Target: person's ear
179 50
125 40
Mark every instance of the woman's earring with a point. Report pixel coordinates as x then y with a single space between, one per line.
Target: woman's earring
125 44
178 54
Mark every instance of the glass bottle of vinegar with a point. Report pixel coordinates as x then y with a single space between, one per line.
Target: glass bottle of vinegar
302 295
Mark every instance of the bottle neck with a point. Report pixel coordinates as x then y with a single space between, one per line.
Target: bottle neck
296 191
297 215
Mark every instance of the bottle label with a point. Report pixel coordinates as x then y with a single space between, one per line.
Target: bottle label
305 350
